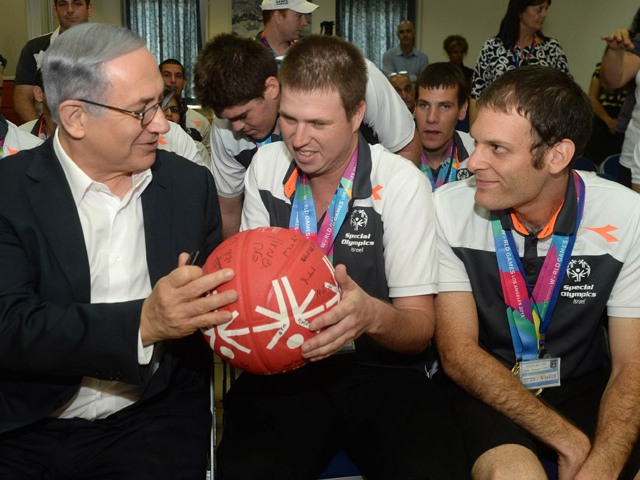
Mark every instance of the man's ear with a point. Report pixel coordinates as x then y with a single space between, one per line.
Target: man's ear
561 155
73 118
463 110
271 88
38 94
358 115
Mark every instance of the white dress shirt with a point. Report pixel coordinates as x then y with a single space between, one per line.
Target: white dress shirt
114 236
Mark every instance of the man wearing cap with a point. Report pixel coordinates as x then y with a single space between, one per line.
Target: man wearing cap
283 22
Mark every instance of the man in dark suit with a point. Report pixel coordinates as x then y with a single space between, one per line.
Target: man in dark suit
103 372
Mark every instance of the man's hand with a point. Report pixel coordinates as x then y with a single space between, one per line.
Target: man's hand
343 323
180 303
571 459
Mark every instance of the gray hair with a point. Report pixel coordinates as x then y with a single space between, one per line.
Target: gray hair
73 66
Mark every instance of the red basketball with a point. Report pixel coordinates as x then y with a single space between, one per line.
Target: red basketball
283 282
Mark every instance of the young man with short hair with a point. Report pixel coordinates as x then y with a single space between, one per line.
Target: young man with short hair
442 101
355 201
533 258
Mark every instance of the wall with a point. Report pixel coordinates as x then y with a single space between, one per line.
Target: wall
576 24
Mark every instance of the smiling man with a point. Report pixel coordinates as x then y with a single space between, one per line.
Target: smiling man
532 261
442 101
68 13
238 79
103 368
354 201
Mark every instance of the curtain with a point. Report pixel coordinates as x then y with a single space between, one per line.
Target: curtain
171 29
372 24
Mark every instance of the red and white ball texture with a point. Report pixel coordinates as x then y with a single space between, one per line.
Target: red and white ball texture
283 282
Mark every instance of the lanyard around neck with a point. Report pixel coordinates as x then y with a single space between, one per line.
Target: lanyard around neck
448 170
529 314
303 212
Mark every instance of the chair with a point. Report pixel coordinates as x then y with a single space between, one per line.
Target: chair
583 163
611 167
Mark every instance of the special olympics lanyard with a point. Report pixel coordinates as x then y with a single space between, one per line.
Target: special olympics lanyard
303 211
529 314
526 52
1 148
448 169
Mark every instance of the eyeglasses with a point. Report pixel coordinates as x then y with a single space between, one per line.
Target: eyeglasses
145 116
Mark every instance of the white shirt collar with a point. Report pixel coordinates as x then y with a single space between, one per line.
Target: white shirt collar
80 182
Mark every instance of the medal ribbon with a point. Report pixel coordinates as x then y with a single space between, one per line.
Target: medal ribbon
448 170
1 148
303 211
529 314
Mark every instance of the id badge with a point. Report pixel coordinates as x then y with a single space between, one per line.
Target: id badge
540 373
348 348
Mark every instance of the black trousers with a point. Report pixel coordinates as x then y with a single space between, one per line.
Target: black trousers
577 399
392 422
141 442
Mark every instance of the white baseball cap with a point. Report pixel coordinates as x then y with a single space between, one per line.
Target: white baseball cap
299 6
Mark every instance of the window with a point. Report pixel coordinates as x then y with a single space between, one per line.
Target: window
372 25
171 28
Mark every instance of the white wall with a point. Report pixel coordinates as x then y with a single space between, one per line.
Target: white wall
576 24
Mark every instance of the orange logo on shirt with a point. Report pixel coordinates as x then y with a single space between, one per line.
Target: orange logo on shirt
604 232
376 189
11 150
162 140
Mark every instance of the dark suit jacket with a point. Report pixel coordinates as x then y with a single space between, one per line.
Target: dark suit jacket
50 335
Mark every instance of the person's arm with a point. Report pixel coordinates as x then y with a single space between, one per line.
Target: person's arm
228 173
358 313
619 417
413 150
23 102
484 377
231 210
388 116
619 66
598 109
